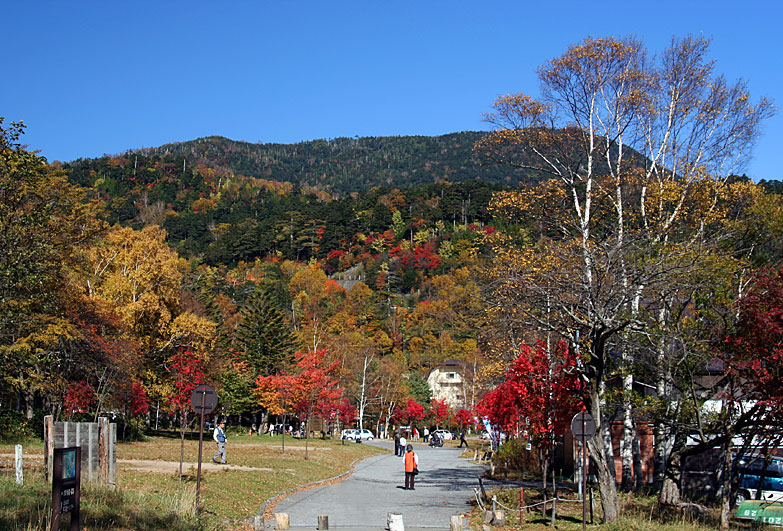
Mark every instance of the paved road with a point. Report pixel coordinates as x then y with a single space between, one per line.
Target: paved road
444 487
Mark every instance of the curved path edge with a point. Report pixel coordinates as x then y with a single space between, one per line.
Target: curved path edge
266 509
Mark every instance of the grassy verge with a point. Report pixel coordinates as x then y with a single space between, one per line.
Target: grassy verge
28 508
637 513
158 500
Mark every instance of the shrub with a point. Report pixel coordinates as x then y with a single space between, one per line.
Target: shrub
14 426
131 430
514 457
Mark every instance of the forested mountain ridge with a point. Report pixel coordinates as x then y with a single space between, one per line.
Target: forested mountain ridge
228 201
224 217
344 165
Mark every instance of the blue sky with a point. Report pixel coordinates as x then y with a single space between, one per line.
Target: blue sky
90 78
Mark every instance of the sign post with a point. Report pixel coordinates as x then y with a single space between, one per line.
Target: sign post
204 401
66 486
583 429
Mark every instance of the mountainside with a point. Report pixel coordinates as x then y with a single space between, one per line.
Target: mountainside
344 165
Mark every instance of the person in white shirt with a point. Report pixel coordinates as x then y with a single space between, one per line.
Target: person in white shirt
219 435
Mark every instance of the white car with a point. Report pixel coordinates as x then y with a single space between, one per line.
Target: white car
445 435
364 435
347 435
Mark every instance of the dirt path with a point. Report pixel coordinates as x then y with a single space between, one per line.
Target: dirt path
151 465
170 467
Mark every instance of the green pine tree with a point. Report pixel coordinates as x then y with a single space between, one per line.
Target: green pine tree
264 338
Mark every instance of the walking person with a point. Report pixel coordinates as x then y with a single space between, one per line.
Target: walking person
219 435
411 461
403 444
397 442
462 440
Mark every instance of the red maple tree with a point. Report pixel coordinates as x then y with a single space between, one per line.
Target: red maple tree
139 403
754 355
464 417
79 398
311 389
187 368
539 392
439 412
412 412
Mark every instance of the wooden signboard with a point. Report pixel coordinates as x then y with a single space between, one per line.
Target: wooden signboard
66 486
204 401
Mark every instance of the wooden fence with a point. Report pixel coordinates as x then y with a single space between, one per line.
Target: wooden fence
98 441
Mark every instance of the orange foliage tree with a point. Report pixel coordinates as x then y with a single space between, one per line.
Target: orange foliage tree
310 389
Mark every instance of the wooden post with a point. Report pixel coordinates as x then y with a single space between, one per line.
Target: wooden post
90 452
281 521
521 505
48 446
456 523
554 510
104 448
323 522
113 455
18 463
591 505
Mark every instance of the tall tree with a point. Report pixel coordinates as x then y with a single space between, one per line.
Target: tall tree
43 218
264 339
618 211
308 389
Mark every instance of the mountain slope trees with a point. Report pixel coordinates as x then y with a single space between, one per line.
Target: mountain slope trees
623 228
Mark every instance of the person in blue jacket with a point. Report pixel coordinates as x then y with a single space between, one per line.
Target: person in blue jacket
220 438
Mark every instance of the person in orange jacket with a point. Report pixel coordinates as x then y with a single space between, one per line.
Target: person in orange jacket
411 467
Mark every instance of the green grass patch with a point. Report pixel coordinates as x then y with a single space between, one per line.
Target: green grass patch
149 500
235 494
28 508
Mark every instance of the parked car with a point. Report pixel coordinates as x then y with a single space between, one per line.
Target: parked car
348 435
445 435
364 435
749 470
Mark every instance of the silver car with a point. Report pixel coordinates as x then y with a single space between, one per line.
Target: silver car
364 435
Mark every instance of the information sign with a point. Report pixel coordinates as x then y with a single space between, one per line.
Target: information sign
204 399
66 486
583 426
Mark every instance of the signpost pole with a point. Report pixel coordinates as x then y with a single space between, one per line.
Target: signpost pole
583 429
200 446
584 475
204 401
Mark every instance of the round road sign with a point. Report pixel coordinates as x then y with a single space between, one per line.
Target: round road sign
583 426
204 397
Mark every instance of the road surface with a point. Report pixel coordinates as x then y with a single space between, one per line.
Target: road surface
444 487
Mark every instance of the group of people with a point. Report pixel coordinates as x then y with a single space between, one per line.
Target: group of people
401 449
410 459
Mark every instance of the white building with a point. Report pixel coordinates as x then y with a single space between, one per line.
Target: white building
447 382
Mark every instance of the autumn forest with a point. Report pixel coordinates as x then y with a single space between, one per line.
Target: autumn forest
598 250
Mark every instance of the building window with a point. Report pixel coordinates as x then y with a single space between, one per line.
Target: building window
451 375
